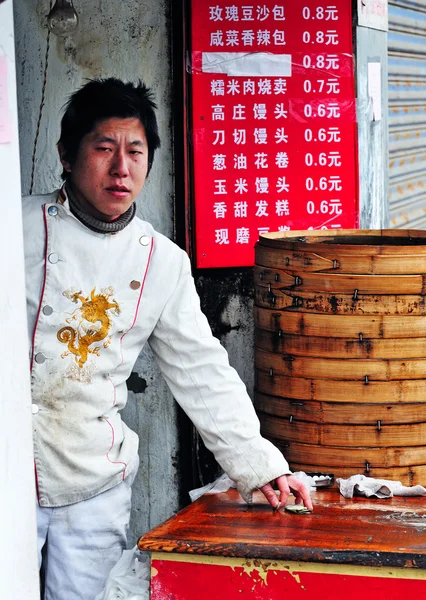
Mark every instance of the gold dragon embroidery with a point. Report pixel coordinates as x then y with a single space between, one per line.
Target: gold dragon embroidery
93 323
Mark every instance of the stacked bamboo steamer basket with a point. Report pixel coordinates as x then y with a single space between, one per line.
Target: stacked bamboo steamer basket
340 334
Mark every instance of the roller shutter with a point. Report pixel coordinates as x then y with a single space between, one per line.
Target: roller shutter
407 113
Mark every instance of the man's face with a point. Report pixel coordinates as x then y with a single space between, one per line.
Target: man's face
110 167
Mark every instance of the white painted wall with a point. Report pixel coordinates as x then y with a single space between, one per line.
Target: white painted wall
18 558
128 40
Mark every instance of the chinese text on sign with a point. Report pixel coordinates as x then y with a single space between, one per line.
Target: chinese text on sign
273 116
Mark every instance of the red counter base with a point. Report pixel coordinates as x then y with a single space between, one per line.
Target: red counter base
213 578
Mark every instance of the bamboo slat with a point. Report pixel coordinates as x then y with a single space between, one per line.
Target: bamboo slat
298 345
348 369
343 436
338 283
339 304
339 260
327 390
371 241
342 326
340 413
335 457
410 475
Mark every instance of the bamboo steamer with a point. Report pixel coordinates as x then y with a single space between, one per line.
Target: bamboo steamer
340 336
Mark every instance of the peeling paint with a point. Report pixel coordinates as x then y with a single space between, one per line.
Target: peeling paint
154 572
256 570
296 577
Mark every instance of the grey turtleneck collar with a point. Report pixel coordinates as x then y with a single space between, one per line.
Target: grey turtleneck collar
96 224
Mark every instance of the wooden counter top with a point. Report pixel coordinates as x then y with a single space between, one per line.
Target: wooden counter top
359 531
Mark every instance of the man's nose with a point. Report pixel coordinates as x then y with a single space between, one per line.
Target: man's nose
119 166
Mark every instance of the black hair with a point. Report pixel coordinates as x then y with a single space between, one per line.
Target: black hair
101 99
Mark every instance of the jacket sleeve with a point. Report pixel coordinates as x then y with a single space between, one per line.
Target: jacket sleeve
209 390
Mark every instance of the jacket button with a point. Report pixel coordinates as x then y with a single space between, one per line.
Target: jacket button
47 310
135 285
53 258
52 211
40 358
34 409
145 240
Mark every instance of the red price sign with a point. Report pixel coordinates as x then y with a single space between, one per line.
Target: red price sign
274 133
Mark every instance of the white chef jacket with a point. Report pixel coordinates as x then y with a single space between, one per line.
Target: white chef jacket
93 301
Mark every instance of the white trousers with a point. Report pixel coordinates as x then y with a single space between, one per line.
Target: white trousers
83 542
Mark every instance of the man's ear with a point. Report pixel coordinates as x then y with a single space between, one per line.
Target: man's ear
62 156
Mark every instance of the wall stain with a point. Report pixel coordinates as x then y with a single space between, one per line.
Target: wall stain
96 41
216 289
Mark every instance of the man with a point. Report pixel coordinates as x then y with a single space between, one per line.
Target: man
101 283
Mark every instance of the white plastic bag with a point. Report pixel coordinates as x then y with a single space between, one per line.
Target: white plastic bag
129 578
222 484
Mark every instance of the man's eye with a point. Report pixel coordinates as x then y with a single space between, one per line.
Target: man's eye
103 149
135 152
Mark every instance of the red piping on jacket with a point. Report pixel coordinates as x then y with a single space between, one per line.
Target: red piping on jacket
139 301
119 462
42 290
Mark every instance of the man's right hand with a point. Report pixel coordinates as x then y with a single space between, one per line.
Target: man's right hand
287 484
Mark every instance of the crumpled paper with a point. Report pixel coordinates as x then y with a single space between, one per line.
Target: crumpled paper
129 578
360 485
221 484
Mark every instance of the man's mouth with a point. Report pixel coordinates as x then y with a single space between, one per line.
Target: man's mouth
119 191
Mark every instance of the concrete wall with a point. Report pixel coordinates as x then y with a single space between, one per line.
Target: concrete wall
227 300
129 40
